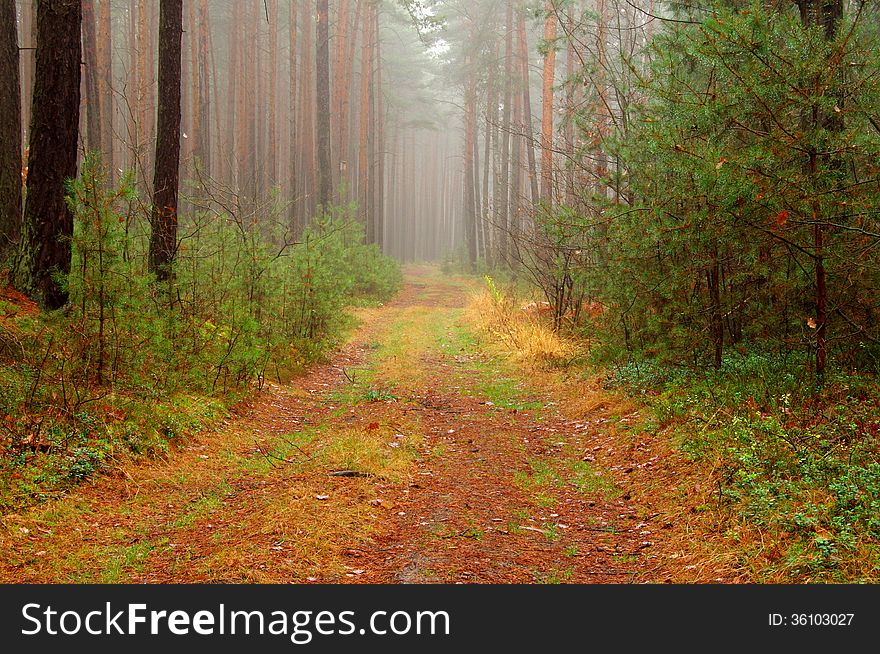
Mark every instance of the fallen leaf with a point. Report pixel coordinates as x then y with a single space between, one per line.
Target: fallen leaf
782 218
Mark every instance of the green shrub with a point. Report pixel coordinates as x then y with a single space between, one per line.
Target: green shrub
132 365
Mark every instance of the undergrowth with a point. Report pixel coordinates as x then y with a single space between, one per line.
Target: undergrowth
797 467
130 365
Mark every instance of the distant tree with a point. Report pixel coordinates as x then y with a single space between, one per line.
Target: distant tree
273 93
528 136
325 174
10 129
550 23
163 238
204 108
364 120
293 99
470 129
47 226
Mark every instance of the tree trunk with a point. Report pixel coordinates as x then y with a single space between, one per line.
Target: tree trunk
28 61
47 227
105 87
340 90
144 50
163 237
204 136
349 116
191 101
322 86
273 92
491 106
380 143
528 138
307 127
516 174
234 90
603 112
504 176
470 125
366 82
10 130
93 99
714 279
826 15
292 118
570 108
549 81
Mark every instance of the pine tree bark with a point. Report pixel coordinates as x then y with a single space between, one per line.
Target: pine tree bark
191 101
322 88
491 121
232 90
340 90
204 136
470 128
92 74
570 106
549 81
47 226
348 116
380 143
307 125
602 109
142 107
516 177
28 62
105 87
163 237
503 180
293 168
528 136
273 93
366 82
10 130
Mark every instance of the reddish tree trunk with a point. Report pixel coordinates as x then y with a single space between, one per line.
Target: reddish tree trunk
547 104
273 92
105 86
90 54
528 138
307 108
322 88
366 82
293 169
380 144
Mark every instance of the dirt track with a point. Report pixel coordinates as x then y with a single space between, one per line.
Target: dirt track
468 475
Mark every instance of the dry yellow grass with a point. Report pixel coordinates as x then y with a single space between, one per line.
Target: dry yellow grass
517 333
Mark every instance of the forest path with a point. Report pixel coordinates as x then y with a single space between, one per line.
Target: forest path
453 469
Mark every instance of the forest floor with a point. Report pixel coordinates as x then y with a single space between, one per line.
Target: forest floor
414 455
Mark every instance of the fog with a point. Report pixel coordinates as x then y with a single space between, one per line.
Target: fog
432 146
